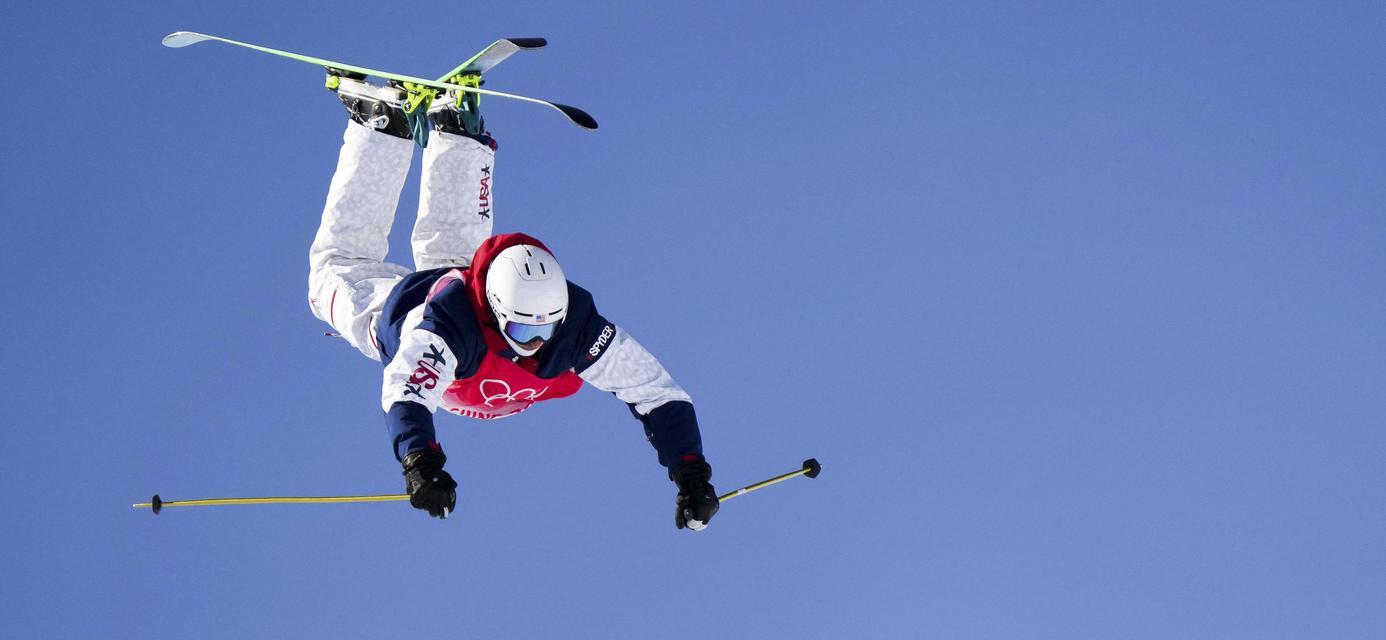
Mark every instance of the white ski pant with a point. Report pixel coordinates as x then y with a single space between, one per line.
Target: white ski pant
348 278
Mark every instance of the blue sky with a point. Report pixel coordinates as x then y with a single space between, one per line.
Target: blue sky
1079 304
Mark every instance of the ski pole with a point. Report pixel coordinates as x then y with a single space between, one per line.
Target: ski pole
810 470
157 504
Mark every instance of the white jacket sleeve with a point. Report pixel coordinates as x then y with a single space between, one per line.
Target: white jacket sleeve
415 380
631 372
420 372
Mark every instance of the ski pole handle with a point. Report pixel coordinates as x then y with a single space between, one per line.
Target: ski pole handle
810 470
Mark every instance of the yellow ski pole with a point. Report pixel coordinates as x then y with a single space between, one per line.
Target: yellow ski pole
157 504
810 470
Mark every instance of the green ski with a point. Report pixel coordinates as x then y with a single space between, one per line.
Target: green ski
468 74
494 55
577 116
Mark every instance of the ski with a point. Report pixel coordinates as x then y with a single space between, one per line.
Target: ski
577 116
494 55
469 74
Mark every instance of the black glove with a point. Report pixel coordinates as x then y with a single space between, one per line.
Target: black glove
430 488
697 501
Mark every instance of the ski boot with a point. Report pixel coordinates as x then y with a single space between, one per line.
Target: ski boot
459 112
380 108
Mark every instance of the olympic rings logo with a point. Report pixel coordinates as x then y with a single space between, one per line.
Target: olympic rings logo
500 390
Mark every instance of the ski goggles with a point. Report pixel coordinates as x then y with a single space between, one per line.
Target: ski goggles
525 333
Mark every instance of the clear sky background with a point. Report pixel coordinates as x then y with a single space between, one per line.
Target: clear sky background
1080 305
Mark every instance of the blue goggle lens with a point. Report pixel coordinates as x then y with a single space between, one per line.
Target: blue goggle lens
523 333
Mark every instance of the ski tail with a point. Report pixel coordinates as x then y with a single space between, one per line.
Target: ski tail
494 55
578 116
180 39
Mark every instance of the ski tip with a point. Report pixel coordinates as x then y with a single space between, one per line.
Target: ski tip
529 43
179 39
813 468
578 116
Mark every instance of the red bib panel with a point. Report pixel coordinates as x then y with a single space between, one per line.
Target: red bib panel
503 388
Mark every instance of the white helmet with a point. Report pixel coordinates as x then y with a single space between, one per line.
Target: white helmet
528 294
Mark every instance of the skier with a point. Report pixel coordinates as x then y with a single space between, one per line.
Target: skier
485 326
